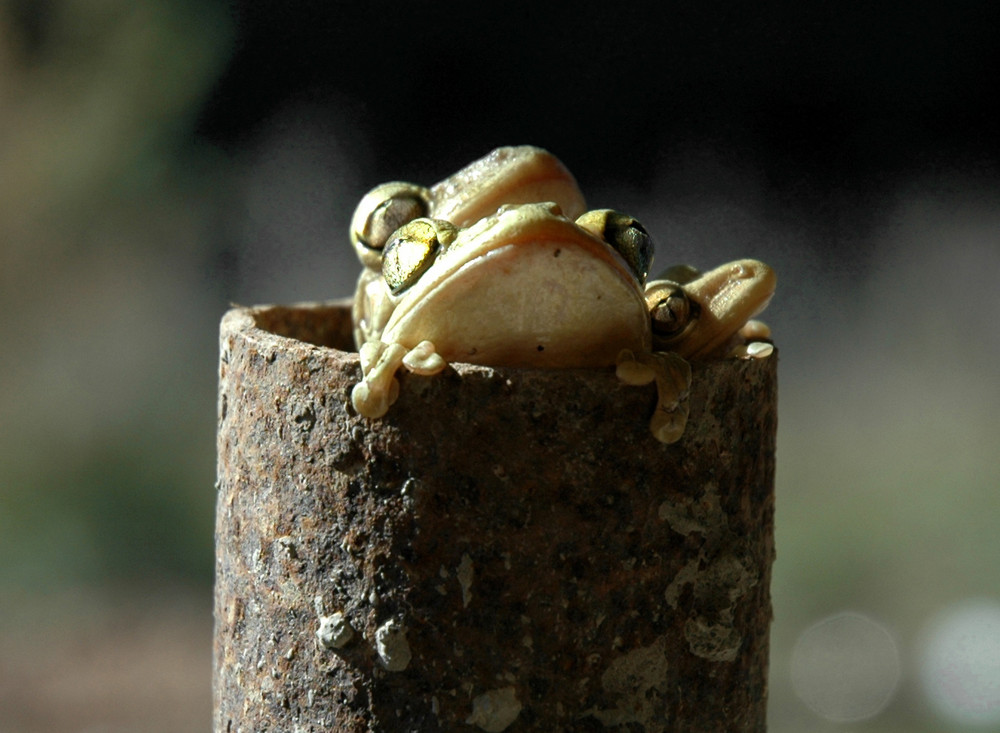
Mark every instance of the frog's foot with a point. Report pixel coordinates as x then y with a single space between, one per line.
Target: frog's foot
424 359
673 383
374 394
379 388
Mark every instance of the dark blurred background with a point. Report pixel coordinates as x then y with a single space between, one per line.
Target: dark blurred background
161 159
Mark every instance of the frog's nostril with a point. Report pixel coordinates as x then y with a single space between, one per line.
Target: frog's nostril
741 271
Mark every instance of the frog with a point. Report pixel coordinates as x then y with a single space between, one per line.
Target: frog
507 175
502 265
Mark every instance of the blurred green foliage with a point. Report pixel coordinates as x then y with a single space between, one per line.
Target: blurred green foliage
106 204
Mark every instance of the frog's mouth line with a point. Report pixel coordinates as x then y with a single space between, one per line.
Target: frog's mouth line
530 225
549 302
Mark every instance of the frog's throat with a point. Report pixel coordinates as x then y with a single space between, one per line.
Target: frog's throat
545 304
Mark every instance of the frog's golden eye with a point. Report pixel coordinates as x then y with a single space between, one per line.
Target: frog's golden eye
626 235
381 212
411 249
671 311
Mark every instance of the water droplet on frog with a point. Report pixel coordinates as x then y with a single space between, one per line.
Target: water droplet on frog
759 349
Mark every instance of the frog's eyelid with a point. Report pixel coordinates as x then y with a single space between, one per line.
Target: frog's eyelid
389 216
381 212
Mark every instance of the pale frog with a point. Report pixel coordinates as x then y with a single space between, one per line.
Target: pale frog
501 265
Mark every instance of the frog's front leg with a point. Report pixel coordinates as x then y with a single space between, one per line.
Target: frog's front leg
673 384
424 359
379 388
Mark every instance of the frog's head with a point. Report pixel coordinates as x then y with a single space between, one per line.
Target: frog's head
696 315
509 175
526 286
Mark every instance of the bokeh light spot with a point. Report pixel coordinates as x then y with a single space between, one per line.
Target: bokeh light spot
845 667
960 663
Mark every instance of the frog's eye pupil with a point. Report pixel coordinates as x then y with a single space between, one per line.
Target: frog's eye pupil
389 216
411 249
671 313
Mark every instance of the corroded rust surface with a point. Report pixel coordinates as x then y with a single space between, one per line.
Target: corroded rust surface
505 550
